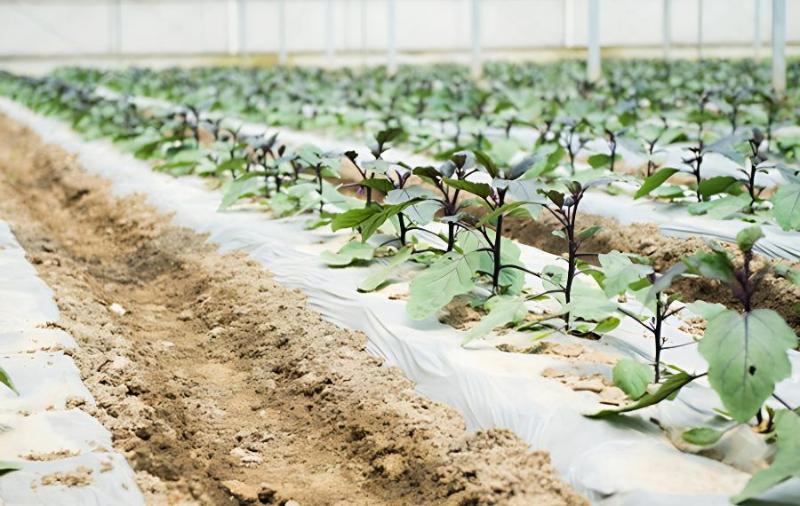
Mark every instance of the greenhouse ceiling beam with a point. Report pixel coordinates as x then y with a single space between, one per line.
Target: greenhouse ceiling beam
593 63
476 39
779 47
391 36
282 51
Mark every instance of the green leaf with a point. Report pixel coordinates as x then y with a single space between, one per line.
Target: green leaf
620 272
379 277
354 217
607 325
382 185
487 162
588 232
8 467
244 186
479 189
668 389
702 436
721 208
232 165
350 252
706 309
503 310
714 265
747 356
449 276
787 460
747 237
599 160
654 181
715 185
787 272
587 301
787 206
632 377
5 379
504 209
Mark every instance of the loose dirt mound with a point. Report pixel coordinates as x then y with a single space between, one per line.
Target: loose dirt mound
219 384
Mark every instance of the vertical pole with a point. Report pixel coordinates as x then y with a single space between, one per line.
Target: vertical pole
364 32
779 47
666 27
232 13
242 26
700 29
756 29
330 33
569 23
391 35
476 39
282 51
115 27
593 64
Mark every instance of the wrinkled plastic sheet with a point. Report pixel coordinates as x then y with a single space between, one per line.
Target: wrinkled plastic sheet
39 428
625 462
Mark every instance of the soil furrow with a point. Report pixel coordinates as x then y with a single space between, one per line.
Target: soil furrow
223 387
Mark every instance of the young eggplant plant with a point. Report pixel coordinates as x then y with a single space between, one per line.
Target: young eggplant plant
563 205
746 350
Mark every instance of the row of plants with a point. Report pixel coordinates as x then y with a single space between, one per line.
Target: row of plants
647 108
445 224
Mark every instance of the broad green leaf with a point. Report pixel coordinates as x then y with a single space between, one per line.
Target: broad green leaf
5 379
787 206
503 150
702 436
620 272
707 310
479 189
654 181
502 310
747 356
504 209
350 252
632 377
747 237
589 302
420 213
239 188
447 277
668 389
714 265
787 272
354 217
379 277
787 460
8 467
715 185
721 208
486 161
282 204
588 232
607 325
599 160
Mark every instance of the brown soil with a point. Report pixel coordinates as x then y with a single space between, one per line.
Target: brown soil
646 240
221 386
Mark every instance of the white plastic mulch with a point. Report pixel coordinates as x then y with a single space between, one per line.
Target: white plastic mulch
621 463
66 456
